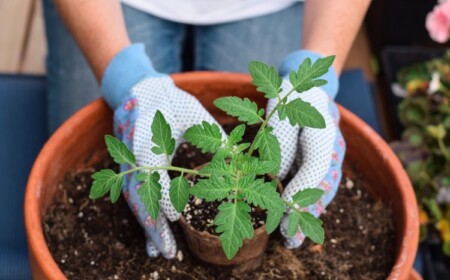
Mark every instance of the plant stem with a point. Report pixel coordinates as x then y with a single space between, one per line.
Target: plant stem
264 124
173 168
292 206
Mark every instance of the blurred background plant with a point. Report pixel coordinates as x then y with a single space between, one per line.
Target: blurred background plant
424 148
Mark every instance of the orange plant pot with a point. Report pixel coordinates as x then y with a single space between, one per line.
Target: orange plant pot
79 142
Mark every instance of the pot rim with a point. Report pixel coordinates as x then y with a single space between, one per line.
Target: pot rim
32 213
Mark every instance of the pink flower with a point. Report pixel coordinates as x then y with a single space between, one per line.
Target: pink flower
438 22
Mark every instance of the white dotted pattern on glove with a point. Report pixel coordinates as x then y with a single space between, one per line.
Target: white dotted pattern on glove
313 154
286 133
180 109
314 147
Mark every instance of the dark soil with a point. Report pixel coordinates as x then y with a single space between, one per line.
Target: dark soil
99 240
200 215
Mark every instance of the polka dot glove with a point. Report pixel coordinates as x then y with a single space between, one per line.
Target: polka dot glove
314 156
135 106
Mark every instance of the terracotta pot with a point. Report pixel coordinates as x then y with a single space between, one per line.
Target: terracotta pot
79 143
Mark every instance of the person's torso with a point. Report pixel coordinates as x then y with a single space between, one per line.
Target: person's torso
203 12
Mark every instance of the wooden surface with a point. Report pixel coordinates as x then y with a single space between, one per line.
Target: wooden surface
22 41
23 47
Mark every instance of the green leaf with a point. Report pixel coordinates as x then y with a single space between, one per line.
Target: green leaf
213 188
236 134
302 113
142 176
273 220
265 78
282 112
262 111
244 109
104 181
150 193
255 166
218 168
306 76
292 224
116 189
307 197
221 154
268 147
311 227
179 193
119 151
162 135
242 147
264 195
205 136
234 223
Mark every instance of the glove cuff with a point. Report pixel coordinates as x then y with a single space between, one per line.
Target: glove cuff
127 68
293 60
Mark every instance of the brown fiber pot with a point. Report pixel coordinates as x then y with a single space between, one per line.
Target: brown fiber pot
208 247
79 142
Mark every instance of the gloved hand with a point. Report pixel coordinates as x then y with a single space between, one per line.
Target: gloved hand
318 153
135 91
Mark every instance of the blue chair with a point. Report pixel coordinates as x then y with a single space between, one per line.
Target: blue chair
23 131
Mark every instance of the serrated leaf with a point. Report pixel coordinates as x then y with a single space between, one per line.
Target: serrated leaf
282 112
261 112
255 166
234 223
302 113
104 181
307 197
265 78
162 135
221 155
179 193
292 224
311 227
150 193
119 151
265 196
242 147
142 176
306 76
244 109
116 189
213 188
218 168
204 136
273 220
236 134
268 147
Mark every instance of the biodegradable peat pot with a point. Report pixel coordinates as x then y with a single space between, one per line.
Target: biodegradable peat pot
208 247
80 141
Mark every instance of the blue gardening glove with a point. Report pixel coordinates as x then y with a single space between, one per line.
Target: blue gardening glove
318 153
135 91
